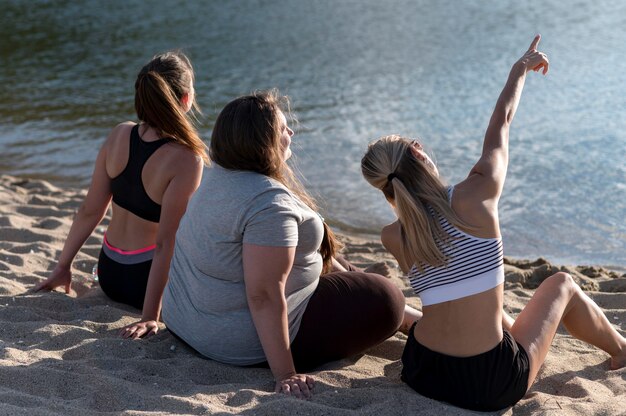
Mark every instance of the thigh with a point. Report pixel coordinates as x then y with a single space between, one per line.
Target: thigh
536 325
348 313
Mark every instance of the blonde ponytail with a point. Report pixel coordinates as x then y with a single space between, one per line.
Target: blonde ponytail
418 195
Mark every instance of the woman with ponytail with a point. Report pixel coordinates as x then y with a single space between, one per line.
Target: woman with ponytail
466 350
147 172
254 277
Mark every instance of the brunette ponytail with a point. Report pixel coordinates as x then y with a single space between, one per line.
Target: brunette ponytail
159 89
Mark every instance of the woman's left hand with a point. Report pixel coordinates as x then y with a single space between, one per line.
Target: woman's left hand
141 329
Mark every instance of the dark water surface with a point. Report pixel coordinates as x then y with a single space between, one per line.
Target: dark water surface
355 70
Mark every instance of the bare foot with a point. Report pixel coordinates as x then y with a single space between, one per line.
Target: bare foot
406 327
380 268
411 315
618 361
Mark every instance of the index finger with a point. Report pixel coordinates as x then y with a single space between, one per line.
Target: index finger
534 43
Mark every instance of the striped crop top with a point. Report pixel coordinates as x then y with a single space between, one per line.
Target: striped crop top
475 265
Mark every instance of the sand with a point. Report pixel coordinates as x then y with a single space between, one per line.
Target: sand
62 354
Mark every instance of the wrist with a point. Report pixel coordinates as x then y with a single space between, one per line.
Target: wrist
284 375
64 265
519 67
149 317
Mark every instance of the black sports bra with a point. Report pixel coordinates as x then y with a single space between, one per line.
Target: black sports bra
127 187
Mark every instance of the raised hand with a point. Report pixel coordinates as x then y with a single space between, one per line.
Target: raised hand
533 59
60 276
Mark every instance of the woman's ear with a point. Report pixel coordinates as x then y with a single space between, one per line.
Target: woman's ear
186 102
418 154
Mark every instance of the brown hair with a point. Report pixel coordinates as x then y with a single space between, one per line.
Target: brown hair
414 188
159 89
246 136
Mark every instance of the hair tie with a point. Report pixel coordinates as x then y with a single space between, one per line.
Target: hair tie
391 176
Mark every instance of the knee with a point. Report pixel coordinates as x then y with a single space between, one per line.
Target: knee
387 300
394 302
564 281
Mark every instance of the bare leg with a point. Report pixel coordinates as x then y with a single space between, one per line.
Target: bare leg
507 321
558 299
410 316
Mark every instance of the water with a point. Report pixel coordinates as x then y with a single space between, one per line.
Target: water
354 70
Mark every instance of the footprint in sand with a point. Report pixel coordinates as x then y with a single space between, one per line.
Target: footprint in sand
48 224
23 234
11 259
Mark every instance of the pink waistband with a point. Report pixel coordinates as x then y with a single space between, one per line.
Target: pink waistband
127 252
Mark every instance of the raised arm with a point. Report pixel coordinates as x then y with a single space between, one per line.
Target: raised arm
174 204
488 175
265 273
88 216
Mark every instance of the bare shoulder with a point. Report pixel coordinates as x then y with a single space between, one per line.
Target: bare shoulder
391 234
475 209
391 237
120 134
183 157
181 162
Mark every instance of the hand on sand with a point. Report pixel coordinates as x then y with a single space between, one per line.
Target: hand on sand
534 59
298 385
60 276
141 329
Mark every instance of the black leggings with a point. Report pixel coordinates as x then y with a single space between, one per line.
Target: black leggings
348 313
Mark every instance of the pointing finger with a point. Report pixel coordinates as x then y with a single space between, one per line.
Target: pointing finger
534 43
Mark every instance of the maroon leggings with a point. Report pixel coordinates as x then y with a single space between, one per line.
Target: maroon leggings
348 313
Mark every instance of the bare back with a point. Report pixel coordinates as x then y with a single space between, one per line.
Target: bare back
126 230
473 324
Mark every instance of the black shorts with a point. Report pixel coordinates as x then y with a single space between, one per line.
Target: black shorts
490 381
124 277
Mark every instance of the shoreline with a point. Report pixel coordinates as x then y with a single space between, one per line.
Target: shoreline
339 226
62 355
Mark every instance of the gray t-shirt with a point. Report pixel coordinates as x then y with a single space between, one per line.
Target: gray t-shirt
204 301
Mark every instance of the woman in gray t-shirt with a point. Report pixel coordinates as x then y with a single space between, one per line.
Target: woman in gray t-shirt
254 278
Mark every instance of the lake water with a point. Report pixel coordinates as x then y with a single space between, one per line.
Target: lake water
355 70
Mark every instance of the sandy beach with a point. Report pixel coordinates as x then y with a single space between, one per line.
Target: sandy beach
61 355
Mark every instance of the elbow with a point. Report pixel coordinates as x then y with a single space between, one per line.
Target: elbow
87 212
501 120
165 242
261 299
508 119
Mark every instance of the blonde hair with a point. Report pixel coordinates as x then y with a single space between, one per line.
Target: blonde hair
414 188
159 88
246 136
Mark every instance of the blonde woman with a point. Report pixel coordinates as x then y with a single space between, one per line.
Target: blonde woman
465 350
